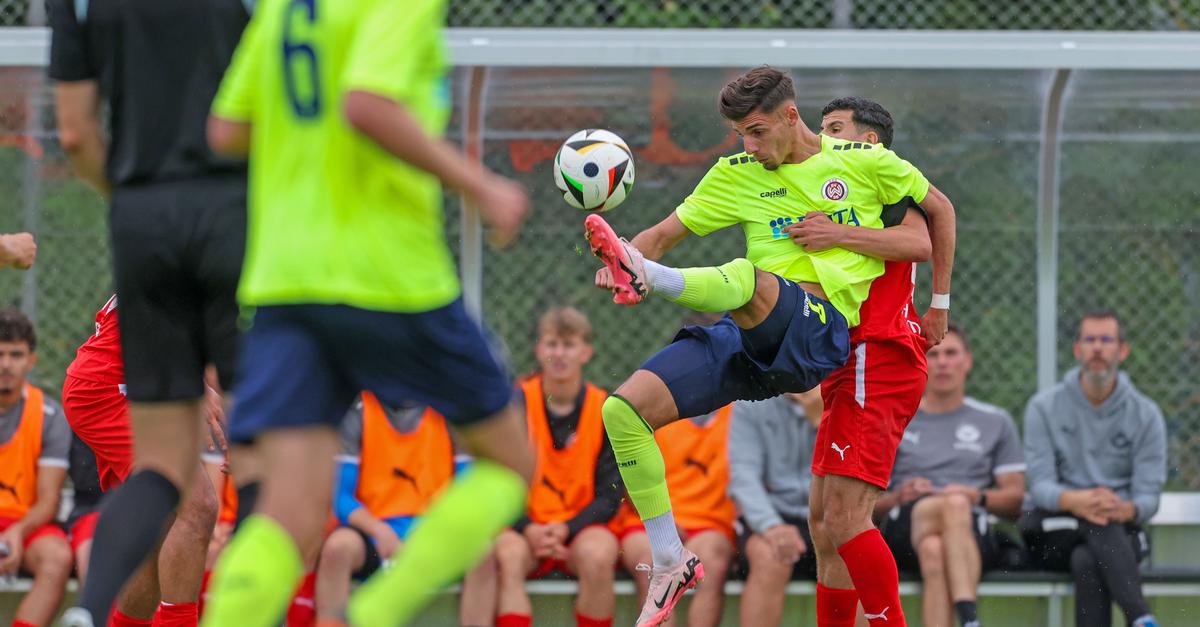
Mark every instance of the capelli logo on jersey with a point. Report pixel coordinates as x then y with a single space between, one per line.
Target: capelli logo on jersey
775 193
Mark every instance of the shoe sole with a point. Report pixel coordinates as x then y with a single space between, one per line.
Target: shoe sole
606 246
662 615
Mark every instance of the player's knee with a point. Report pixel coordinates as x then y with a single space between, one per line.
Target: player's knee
513 553
201 508
595 556
956 508
54 560
339 550
931 554
1082 560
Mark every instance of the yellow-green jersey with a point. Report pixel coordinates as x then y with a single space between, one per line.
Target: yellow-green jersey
333 218
849 181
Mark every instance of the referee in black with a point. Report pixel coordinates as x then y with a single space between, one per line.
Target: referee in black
177 223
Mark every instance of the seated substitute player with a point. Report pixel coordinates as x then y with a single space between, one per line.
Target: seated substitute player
576 487
1097 456
98 412
770 473
35 442
960 460
696 454
393 462
785 336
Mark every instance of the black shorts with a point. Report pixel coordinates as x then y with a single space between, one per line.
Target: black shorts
373 561
897 532
177 255
804 568
707 367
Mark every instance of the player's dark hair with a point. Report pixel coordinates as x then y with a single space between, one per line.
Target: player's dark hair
955 328
866 112
763 89
16 327
1101 314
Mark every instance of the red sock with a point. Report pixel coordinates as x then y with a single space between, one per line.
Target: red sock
587 621
303 610
873 570
514 620
203 593
176 615
117 619
21 623
836 607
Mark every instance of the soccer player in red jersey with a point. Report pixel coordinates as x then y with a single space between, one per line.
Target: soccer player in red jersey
94 400
870 400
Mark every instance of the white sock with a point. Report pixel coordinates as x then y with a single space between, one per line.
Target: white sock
664 540
665 280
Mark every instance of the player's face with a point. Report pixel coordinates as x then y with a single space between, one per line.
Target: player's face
562 356
840 124
768 136
949 365
1099 349
16 362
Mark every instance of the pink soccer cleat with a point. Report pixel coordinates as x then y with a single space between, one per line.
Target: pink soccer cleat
620 257
667 586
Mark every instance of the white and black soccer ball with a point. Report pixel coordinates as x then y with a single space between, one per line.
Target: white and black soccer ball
594 170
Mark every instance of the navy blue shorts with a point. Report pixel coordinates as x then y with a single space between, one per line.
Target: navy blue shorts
708 367
303 365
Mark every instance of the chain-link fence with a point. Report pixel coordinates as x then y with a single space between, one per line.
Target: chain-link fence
923 14
1129 225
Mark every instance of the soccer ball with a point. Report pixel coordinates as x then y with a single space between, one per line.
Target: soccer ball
594 170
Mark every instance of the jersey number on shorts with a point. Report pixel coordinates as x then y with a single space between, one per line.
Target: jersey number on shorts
300 60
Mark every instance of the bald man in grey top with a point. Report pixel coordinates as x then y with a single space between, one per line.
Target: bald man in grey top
960 460
1097 464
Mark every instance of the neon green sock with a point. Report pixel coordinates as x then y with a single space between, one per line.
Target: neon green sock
255 577
638 458
451 537
720 288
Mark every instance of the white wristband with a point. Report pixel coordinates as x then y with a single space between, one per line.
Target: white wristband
939 301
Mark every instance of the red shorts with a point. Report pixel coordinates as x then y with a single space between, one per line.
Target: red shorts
48 529
868 403
99 415
689 532
547 566
83 530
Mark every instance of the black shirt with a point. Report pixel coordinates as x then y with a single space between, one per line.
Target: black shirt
158 64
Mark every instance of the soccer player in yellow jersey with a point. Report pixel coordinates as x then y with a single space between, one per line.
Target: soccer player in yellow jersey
339 105
791 309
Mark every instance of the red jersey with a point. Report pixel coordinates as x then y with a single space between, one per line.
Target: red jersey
889 313
99 359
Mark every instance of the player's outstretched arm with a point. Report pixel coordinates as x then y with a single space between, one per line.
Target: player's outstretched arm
78 110
655 241
942 227
502 203
907 241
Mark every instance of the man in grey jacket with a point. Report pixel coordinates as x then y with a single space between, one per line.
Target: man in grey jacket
1096 452
770 458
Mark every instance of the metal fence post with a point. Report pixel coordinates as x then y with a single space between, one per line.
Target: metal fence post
1047 238
471 245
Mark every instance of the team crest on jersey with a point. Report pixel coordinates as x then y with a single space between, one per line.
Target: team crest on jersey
968 438
834 189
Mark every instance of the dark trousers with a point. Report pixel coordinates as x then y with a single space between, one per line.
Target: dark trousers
1103 560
